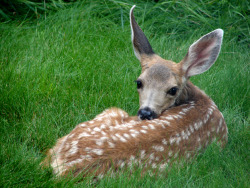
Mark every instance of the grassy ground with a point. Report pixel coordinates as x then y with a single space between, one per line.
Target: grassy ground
67 68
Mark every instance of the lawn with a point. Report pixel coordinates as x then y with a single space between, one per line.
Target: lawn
67 66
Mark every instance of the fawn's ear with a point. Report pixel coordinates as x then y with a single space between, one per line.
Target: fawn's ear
139 40
202 54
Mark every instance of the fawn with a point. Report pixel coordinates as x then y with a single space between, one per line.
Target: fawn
174 121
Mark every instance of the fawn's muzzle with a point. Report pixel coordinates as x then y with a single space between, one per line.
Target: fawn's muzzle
146 113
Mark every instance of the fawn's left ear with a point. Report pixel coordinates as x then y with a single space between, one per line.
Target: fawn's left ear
202 54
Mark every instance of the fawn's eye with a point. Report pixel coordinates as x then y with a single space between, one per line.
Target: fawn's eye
172 91
139 84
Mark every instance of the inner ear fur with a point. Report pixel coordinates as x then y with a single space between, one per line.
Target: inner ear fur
202 54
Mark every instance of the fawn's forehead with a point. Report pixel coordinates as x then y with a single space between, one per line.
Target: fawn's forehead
159 73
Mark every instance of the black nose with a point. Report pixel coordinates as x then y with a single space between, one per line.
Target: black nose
146 113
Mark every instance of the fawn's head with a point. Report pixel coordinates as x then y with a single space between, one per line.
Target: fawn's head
162 81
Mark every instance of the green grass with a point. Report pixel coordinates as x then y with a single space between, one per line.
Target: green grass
67 68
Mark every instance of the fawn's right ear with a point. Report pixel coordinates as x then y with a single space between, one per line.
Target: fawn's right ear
202 54
139 40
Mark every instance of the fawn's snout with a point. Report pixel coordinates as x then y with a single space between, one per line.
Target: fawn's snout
146 113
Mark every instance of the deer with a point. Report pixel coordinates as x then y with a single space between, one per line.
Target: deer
175 119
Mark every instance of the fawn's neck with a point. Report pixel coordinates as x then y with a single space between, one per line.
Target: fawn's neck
189 93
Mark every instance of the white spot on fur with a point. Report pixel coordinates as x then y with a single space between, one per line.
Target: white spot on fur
169 118
126 135
103 126
74 148
74 162
116 122
144 127
103 133
99 142
177 116
184 135
184 110
97 151
188 133
83 125
113 114
122 139
166 122
143 131
200 124
104 138
97 129
99 119
114 138
108 122
213 107
71 135
158 148
196 126
86 157
221 115
88 149
134 131
163 166
151 126
142 154
210 111
164 141
152 156
206 118
111 145
122 164
178 139
171 140
84 134
133 135
191 128
132 157
181 113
